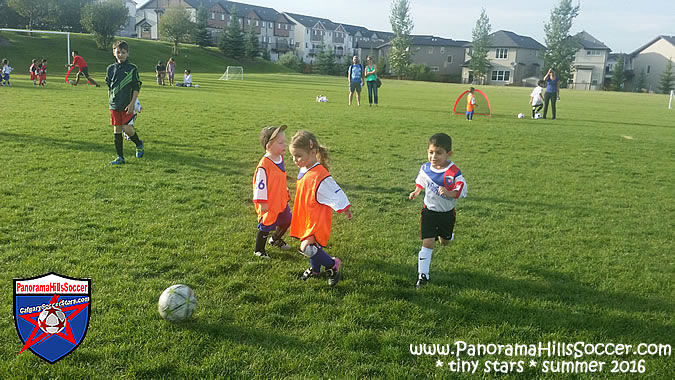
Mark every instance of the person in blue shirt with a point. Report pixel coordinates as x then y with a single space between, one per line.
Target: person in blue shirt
355 76
552 91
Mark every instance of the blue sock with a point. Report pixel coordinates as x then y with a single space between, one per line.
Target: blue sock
323 259
315 264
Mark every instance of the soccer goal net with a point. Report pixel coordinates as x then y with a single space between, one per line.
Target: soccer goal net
233 72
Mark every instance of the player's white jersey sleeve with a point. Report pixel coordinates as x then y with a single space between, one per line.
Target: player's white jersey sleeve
330 194
260 187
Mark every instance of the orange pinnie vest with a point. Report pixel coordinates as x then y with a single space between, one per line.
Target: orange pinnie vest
469 106
311 218
277 191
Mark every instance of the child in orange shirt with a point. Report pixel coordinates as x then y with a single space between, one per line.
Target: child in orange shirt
270 193
317 195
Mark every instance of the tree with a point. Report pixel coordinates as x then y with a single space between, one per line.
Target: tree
251 43
667 78
176 26
232 40
9 18
641 83
33 10
291 61
480 46
66 15
402 25
325 61
561 46
202 37
104 19
618 76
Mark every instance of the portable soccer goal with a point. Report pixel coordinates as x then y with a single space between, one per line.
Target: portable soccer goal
482 103
233 72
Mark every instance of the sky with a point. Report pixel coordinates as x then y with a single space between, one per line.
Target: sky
622 25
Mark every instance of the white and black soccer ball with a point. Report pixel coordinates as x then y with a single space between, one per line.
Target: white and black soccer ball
196 86
52 320
70 81
521 115
177 303
537 115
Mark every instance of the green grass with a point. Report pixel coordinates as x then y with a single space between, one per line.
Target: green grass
20 49
566 234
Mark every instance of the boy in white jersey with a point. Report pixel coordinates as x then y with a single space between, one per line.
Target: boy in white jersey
443 183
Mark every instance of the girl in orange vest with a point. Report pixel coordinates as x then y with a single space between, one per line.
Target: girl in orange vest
270 193
317 195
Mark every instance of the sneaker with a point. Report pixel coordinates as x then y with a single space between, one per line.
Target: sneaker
140 150
264 255
279 243
421 281
334 272
118 161
309 273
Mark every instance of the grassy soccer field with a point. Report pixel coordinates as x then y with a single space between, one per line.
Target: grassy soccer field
566 234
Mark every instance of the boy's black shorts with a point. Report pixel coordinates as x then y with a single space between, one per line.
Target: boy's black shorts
436 223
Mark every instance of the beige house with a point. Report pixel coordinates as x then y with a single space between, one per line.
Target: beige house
275 30
313 33
513 58
652 59
590 63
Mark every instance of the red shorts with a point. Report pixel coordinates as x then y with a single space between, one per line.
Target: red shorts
120 117
33 76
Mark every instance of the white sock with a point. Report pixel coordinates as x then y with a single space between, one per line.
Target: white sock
424 260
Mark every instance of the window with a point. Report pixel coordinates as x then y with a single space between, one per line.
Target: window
502 53
213 15
431 50
222 17
593 53
594 82
306 46
248 21
278 26
442 49
648 67
434 68
501 75
285 26
449 59
257 23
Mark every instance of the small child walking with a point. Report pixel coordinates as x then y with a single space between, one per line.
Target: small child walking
43 74
536 99
6 69
470 104
317 195
443 183
270 192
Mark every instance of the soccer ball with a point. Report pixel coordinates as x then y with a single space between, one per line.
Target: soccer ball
196 86
177 303
52 320
537 115
521 115
70 81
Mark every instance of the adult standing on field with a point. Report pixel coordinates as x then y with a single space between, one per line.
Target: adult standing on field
355 76
82 67
371 81
552 92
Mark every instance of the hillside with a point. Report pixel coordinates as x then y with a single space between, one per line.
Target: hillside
20 48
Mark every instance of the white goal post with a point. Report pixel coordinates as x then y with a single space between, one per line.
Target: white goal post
670 101
44 31
233 72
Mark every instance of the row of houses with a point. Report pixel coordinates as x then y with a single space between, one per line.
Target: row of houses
514 59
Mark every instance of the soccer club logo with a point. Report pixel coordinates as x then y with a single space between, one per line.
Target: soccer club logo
51 314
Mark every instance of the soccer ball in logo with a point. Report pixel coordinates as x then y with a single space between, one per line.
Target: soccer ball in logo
521 115
177 303
52 320
537 115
